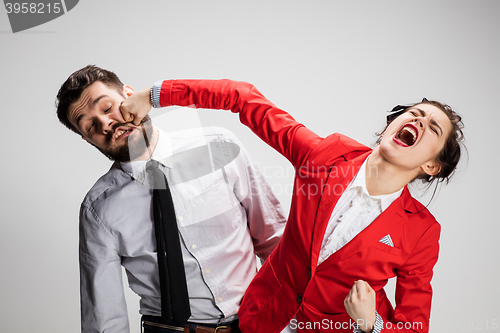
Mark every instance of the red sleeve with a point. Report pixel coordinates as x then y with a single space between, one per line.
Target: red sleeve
273 125
413 286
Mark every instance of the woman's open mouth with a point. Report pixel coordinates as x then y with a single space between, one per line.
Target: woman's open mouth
406 136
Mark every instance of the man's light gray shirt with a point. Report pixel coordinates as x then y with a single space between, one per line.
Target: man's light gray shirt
226 215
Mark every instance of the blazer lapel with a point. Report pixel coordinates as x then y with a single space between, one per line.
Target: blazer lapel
341 174
393 217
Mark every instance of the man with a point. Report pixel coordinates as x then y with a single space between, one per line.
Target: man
225 214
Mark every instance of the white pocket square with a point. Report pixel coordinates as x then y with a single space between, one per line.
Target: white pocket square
387 240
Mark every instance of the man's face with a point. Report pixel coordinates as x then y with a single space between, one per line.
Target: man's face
96 115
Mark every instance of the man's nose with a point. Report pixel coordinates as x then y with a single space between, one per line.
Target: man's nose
105 124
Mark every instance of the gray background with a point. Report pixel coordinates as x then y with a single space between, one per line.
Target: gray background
334 65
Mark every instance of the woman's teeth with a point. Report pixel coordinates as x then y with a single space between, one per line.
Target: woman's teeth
407 135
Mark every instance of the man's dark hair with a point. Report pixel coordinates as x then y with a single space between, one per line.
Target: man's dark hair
72 89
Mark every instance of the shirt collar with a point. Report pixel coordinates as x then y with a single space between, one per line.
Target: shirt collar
360 182
161 153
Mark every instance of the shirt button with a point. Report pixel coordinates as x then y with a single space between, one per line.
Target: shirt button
193 246
208 271
299 298
142 178
180 218
339 233
220 298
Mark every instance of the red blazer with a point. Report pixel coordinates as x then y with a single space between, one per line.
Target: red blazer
290 283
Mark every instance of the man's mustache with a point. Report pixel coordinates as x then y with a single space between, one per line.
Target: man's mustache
109 136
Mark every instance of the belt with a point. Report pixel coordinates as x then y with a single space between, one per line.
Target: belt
200 328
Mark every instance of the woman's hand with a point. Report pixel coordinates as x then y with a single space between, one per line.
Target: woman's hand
137 106
360 305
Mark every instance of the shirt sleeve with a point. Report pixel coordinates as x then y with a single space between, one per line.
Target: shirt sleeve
377 326
273 125
103 307
265 215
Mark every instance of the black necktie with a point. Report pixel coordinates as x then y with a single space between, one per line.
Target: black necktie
174 295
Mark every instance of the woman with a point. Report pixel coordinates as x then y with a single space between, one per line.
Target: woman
352 224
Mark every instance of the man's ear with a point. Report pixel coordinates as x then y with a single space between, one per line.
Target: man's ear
128 90
431 168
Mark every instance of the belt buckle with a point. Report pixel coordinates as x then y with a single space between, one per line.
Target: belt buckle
221 327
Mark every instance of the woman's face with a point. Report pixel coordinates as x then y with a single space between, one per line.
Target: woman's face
414 139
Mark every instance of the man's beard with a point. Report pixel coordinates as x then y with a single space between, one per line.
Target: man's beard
134 146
